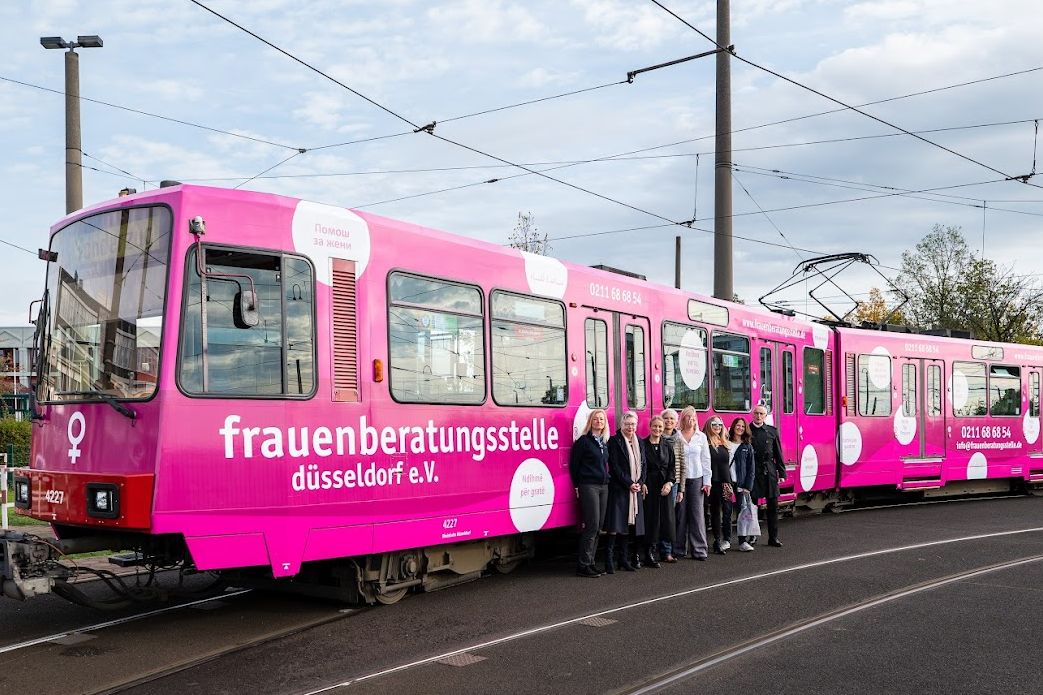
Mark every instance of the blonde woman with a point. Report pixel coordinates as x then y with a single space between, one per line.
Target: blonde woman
659 509
588 467
673 440
721 491
691 522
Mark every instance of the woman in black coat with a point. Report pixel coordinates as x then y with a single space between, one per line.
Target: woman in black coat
626 465
659 480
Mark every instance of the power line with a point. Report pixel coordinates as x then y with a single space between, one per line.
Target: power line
113 166
152 115
843 104
429 128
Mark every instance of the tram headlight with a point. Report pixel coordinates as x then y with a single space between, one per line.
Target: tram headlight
21 493
103 500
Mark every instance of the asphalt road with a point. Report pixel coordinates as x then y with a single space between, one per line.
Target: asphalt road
868 601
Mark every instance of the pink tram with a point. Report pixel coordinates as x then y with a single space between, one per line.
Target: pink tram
245 382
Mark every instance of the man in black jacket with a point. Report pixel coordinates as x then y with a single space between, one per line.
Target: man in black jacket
771 470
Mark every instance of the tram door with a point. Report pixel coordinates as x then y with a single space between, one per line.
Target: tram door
922 417
616 352
777 382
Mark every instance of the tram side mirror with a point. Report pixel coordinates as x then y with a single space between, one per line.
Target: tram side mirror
244 309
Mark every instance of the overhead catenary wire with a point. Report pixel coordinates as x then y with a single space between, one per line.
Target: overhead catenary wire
1023 179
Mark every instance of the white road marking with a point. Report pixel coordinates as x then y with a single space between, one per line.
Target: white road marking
113 623
710 663
688 592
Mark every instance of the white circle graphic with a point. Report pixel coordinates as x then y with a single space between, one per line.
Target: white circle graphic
960 390
820 334
879 364
905 427
692 356
580 420
323 232
977 467
808 468
546 276
850 443
1030 425
532 495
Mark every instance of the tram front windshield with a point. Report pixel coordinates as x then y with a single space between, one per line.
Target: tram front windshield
103 309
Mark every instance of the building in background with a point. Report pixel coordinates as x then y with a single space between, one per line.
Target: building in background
17 357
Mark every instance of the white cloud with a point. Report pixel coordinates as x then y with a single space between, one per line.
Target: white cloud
628 26
542 77
487 21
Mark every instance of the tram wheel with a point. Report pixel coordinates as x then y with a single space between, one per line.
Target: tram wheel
391 597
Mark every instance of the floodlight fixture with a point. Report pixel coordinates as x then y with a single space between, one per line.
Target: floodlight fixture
53 42
92 41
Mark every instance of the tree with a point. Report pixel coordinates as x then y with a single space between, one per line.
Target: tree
526 235
876 310
950 287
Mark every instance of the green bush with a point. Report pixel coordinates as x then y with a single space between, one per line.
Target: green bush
16 435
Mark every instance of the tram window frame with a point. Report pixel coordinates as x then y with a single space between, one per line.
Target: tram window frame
867 389
934 390
636 366
193 283
1013 393
909 396
810 379
766 379
672 376
719 390
550 330
433 310
966 411
789 401
600 347
1033 393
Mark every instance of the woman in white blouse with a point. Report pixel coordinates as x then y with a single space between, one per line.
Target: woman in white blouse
691 521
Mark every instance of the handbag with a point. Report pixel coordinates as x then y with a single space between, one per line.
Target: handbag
747 524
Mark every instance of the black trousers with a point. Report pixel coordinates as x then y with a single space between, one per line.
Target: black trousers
593 500
771 515
720 514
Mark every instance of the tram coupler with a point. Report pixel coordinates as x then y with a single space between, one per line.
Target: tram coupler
29 566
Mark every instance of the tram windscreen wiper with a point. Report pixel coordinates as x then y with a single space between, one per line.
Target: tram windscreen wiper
119 407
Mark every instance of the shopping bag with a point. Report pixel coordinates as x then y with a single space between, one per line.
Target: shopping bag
747 524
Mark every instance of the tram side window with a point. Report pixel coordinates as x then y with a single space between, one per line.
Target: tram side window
224 356
731 373
684 367
787 382
596 358
934 390
968 389
635 366
528 350
874 385
1004 390
1033 394
908 390
437 343
814 381
766 382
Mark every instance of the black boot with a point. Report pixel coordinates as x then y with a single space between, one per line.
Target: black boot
650 558
624 557
717 550
610 551
637 556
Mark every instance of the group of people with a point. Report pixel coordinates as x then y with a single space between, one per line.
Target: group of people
650 496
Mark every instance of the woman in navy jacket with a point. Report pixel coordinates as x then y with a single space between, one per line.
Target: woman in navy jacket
744 466
588 467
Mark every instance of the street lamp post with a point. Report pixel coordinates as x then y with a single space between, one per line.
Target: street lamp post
73 155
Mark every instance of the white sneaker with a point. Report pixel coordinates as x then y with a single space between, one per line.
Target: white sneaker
745 547
725 545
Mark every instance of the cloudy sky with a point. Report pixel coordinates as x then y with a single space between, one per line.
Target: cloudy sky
435 61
